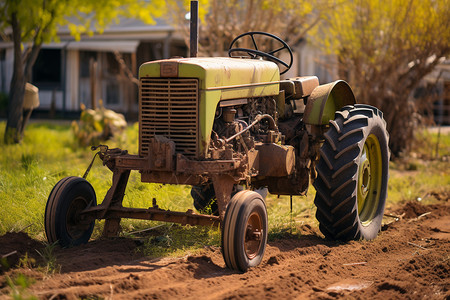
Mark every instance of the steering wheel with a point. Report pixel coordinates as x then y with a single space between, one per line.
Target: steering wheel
254 53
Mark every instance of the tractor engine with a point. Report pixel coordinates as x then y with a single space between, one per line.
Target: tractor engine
276 147
231 119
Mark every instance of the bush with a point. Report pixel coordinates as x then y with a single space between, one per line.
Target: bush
97 125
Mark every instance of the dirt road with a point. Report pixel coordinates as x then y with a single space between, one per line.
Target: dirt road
409 260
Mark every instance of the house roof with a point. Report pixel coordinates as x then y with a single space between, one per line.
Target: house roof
125 29
124 36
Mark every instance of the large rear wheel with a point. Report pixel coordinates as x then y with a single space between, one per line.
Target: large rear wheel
63 222
244 231
353 174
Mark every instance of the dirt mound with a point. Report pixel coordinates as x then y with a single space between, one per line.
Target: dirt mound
14 246
19 242
412 210
408 260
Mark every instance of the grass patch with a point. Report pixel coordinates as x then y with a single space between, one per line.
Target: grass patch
424 174
177 240
282 221
49 257
19 285
431 145
418 180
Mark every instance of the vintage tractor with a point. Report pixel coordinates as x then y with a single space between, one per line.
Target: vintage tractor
232 129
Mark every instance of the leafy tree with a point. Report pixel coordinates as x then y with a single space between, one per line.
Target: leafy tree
385 48
223 20
29 23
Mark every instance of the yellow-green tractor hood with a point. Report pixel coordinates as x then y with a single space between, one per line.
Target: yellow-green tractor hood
219 78
220 72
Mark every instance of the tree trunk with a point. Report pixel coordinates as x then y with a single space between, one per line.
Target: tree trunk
21 74
13 131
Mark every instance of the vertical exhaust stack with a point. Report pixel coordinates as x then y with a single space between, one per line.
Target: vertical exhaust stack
193 47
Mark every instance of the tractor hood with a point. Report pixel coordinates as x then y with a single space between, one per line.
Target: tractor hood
222 73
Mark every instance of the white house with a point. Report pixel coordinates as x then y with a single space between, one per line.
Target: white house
62 70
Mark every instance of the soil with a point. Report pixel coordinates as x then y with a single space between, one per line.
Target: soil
410 259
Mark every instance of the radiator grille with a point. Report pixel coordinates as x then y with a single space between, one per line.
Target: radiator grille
169 107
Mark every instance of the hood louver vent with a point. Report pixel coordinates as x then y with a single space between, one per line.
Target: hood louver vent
169 107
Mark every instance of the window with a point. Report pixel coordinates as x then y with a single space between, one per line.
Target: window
47 69
112 92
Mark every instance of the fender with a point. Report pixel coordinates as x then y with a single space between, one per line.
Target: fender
325 100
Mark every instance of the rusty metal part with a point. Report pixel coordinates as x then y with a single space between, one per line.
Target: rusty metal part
113 199
162 155
223 186
152 213
274 137
299 87
258 118
290 128
156 214
169 69
197 167
115 194
229 114
100 153
112 227
276 160
234 102
181 170
171 178
253 235
296 184
90 165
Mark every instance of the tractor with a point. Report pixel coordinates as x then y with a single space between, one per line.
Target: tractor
233 130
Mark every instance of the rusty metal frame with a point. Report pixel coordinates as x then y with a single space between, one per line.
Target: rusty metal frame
121 164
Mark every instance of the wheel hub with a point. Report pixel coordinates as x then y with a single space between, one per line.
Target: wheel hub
75 224
369 180
364 175
253 235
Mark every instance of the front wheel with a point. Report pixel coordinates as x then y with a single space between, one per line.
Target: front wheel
244 231
353 174
63 221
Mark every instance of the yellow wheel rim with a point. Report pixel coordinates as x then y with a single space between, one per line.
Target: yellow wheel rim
369 180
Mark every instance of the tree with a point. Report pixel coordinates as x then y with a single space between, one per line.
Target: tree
30 23
223 20
385 48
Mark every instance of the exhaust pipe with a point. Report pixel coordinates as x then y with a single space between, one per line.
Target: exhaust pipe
193 38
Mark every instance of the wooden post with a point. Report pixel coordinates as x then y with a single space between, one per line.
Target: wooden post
93 81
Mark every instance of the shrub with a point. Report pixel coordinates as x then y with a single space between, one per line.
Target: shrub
97 125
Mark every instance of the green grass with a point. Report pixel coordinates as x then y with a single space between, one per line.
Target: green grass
29 170
424 175
19 285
